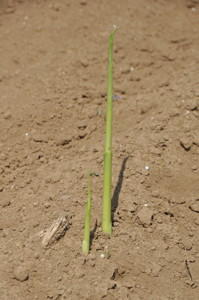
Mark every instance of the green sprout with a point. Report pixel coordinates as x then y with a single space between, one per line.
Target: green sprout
86 240
106 214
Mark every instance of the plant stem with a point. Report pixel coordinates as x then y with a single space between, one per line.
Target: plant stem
86 240
106 217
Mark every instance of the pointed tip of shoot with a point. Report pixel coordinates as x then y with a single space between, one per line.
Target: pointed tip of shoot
115 28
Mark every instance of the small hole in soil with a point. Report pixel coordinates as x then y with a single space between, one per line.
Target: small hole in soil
168 213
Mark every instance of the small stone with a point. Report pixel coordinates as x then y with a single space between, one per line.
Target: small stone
62 141
194 168
145 172
106 252
10 10
196 221
186 142
84 63
5 202
82 125
80 273
180 200
47 205
129 283
155 194
155 269
145 216
156 151
83 2
92 256
186 244
36 255
21 274
195 206
159 219
133 236
5 232
132 208
7 115
55 7
147 270
192 104
92 263
81 260
39 138
54 177
191 283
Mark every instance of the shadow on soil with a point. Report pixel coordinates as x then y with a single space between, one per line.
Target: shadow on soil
116 194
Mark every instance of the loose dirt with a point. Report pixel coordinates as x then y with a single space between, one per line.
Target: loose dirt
53 70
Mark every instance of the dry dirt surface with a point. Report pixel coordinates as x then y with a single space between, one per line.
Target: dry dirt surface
53 70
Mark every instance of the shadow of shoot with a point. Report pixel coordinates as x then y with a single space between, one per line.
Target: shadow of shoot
116 194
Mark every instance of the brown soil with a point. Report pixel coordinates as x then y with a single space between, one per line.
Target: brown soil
53 63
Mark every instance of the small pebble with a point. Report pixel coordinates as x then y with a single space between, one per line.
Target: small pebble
145 216
180 200
83 2
5 203
36 255
92 257
55 7
133 236
21 274
196 221
47 205
192 104
145 172
62 141
155 194
194 168
195 206
7 115
186 244
186 143
155 270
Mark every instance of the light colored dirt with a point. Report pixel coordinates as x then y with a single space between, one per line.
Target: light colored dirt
53 63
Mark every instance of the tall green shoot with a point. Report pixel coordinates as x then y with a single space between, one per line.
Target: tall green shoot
106 213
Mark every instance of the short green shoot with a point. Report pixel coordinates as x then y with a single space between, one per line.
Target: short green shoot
86 240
